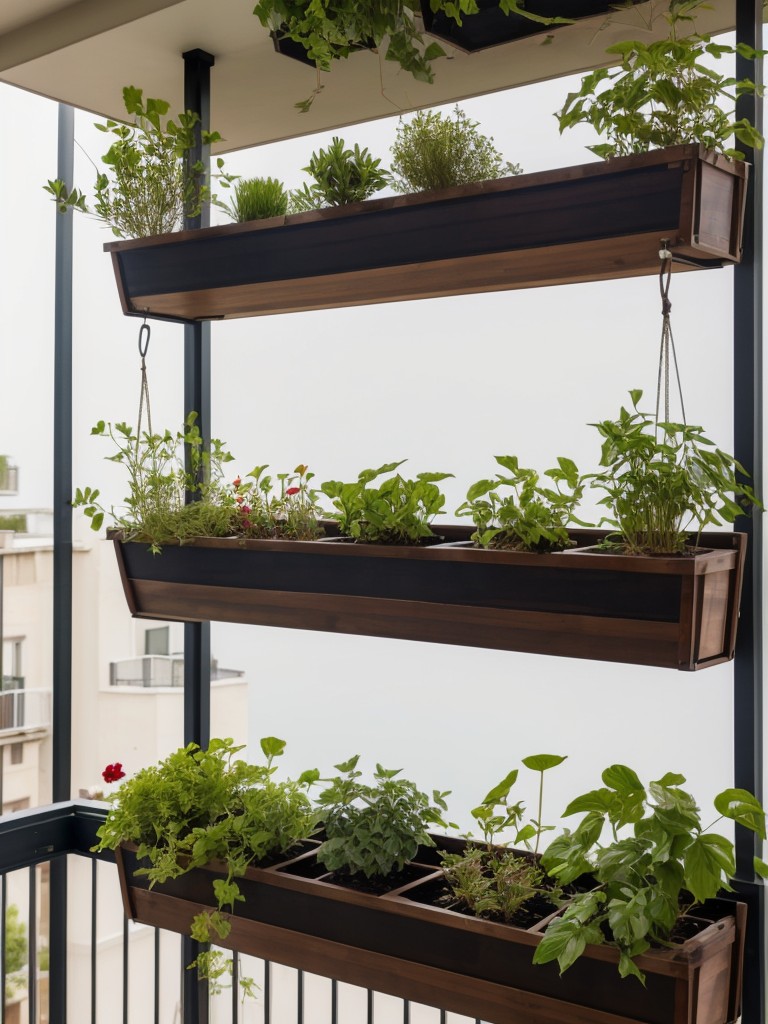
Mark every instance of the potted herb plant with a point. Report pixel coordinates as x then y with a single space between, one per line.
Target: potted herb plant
340 176
149 186
398 941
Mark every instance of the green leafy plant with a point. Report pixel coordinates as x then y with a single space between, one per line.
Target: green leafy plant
330 32
154 511
531 517
293 514
432 151
341 176
374 830
16 950
489 880
398 511
663 480
662 866
257 199
149 187
664 93
201 805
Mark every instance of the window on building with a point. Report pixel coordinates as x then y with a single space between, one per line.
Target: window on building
12 674
17 753
157 641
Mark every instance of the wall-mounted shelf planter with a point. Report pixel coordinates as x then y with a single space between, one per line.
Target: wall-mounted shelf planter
490 26
400 944
591 222
676 612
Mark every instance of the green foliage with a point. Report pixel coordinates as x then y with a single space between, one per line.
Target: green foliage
293 514
530 518
663 480
16 949
257 199
398 511
494 885
147 188
375 830
16 522
154 510
341 176
202 805
431 152
663 864
490 881
664 94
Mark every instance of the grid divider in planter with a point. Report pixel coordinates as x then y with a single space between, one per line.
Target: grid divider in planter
447 959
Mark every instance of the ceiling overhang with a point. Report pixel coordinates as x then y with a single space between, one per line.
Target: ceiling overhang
82 52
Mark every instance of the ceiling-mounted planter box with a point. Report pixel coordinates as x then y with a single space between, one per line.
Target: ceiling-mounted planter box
490 26
591 222
398 944
673 612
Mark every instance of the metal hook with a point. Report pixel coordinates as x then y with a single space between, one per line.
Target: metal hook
144 339
666 268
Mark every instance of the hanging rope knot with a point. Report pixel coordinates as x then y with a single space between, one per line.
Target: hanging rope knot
666 306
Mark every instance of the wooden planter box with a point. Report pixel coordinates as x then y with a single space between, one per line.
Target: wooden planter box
591 222
670 612
397 945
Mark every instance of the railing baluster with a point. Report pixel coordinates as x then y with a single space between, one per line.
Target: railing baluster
370 1006
3 909
157 976
267 992
32 947
406 1012
94 872
235 987
125 970
334 1002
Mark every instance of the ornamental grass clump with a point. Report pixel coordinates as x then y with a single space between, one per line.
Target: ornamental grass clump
432 151
257 199
397 511
530 516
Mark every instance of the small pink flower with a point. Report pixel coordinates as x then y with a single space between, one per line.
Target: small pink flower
113 772
239 499
245 509
292 490
236 482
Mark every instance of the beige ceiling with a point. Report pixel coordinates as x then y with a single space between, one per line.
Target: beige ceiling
83 52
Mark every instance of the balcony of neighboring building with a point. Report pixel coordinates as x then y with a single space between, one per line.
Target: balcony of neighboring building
160 670
9 476
22 710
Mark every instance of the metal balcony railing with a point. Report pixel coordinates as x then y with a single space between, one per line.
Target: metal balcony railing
24 709
118 973
12 683
158 670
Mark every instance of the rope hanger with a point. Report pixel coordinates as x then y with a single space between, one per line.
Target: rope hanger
667 348
144 334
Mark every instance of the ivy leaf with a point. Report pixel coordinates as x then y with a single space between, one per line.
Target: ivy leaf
741 806
706 861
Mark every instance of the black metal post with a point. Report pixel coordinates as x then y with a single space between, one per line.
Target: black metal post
197 398
62 564
748 447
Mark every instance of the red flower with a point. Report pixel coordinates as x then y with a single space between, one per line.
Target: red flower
113 772
245 509
239 499
292 490
236 482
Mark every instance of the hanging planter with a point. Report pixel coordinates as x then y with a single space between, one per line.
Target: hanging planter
674 612
591 222
400 944
490 26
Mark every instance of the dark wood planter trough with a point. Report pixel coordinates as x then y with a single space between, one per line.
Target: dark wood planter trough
399 944
673 612
591 222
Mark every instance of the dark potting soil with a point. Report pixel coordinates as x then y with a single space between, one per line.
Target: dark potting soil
378 886
437 893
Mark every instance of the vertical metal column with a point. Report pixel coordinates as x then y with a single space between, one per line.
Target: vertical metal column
197 397
748 446
61 769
